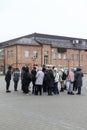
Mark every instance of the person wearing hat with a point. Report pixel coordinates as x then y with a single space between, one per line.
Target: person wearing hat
8 78
78 77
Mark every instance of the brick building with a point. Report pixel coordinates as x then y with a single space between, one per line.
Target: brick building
45 49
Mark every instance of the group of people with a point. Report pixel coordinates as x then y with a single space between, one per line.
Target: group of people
45 80
8 76
72 80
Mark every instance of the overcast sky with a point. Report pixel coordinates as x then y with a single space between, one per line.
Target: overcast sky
56 17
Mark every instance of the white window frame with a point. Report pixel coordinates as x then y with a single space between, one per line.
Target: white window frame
72 56
54 56
64 56
59 55
35 54
26 53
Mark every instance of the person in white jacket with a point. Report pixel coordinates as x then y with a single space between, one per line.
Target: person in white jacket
56 79
39 81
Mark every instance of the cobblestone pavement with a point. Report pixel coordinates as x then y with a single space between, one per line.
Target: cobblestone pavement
61 112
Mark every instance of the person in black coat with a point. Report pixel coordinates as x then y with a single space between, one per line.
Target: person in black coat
49 80
22 76
74 83
16 76
26 80
8 78
44 83
78 77
33 72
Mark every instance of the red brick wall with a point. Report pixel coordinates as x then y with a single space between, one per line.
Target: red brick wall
18 59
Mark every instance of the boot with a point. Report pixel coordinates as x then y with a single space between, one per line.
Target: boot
61 90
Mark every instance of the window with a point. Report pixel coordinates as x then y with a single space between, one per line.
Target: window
60 56
1 54
72 56
76 56
10 54
26 54
45 52
54 56
45 59
64 56
81 57
35 54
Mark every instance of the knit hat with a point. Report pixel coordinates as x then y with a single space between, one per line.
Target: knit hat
78 68
9 67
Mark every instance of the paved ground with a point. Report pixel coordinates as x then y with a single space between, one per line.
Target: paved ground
62 112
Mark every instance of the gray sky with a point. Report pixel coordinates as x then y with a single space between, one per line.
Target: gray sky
56 17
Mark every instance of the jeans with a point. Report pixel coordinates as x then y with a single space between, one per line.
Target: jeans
69 86
56 91
15 85
79 90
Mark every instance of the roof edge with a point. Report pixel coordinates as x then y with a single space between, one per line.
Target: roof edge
44 36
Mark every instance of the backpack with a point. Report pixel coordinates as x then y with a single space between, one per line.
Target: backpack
64 76
16 76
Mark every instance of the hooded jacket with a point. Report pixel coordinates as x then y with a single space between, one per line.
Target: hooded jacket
78 77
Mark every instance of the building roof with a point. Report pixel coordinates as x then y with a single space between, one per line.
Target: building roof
37 39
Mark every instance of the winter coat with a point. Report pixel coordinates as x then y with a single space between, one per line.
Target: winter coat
71 76
33 72
56 77
51 78
39 77
78 77
26 77
16 76
8 75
